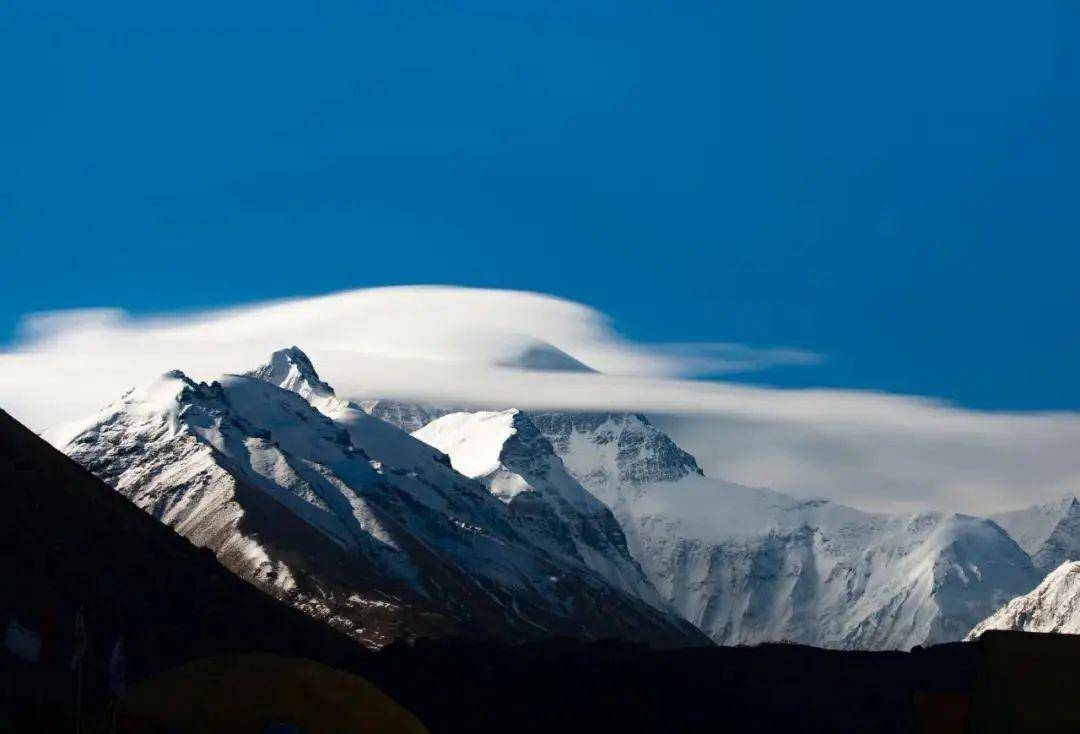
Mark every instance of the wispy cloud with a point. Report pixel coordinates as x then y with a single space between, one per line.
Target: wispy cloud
483 347
693 359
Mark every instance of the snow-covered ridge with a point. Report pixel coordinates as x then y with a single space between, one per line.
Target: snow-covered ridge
506 451
517 524
749 565
1049 533
1053 606
345 516
615 447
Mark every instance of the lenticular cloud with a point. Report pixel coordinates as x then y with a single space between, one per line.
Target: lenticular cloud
424 342
504 348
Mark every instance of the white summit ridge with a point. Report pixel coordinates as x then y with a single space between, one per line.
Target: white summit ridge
347 517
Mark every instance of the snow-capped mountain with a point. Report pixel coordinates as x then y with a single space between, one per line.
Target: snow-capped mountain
748 565
506 451
517 525
343 515
1049 533
1053 606
609 450
554 512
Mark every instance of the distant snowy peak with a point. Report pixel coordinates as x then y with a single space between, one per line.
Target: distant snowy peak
1053 606
506 451
1049 533
745 565
404 459
351 520
611 448
536 355
499 457
750 565
290 369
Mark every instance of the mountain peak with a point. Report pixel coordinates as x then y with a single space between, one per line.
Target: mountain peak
539 356
292 370
625 447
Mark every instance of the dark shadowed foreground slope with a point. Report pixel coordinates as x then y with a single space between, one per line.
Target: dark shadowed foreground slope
620 687
68 541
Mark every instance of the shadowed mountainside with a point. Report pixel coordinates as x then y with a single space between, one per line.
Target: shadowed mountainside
67 541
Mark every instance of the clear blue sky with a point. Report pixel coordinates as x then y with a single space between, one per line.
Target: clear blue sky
893 185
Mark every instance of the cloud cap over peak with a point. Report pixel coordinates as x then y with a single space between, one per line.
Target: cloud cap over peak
509 348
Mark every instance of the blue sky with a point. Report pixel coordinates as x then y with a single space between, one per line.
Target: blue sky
895 188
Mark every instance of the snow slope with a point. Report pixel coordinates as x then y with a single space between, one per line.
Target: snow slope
1053 606
748 565
505 451
343 515
1049 533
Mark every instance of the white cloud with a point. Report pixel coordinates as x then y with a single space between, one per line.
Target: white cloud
713 358
470 346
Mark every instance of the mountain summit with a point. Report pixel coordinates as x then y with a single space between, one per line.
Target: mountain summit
344 516
290 369
523 525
